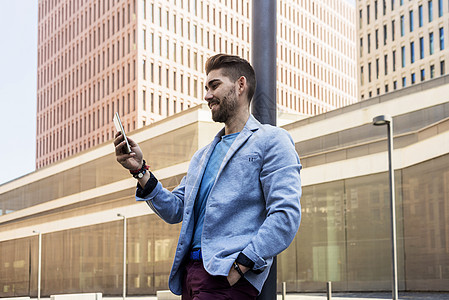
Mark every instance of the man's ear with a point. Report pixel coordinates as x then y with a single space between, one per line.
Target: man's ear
242 84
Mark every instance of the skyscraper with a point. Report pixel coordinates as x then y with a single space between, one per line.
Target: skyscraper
400 43
144 59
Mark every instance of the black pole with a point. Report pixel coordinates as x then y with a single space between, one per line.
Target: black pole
263 59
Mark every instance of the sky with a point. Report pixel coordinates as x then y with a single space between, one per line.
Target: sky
18 84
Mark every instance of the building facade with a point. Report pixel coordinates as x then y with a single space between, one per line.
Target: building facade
401 43
344 235
145 60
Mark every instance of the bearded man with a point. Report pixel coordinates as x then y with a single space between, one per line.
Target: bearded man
239 202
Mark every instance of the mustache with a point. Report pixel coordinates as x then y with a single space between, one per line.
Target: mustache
213 101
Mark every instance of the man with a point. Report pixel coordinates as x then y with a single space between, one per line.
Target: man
239 202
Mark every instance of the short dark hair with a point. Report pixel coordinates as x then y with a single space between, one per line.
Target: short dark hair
233 67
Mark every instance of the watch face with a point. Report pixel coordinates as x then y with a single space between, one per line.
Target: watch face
140 175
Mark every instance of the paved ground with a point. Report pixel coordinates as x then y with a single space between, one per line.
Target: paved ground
368 296
335 296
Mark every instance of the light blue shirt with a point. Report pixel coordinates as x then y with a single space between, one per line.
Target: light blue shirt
207 183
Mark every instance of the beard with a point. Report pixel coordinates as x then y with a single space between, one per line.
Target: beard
226 107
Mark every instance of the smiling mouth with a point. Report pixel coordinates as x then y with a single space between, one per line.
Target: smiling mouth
212 104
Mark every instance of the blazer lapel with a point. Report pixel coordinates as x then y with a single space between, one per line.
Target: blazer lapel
250 127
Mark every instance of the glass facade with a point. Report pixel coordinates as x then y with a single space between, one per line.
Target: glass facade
172 148
90 259
344 238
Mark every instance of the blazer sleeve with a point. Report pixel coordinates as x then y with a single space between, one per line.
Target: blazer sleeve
281 187
169 206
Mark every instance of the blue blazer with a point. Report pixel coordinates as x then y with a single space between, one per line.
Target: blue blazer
253 206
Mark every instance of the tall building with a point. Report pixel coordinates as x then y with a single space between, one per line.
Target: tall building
401 43
144 59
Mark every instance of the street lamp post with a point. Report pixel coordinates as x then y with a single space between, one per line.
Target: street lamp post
39 264
124 254
379 121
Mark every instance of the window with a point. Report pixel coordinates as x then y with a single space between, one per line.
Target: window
401 2
412 52
411 20
361 47
440 8
361 75
385 35
360 19
369 72
394 60
421 47
432 71
375 10
385 64
402 25
160 105
431 49
404 82
430 8
386 88
377 38
377 68
395 85
442 68
367 14
413 78
369 42
422 74
403 56
420 16
392 4
441 38
392 30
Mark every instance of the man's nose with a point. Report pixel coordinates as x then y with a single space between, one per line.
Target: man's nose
208 96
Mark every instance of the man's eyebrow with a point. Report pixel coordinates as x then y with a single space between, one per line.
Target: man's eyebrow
211 82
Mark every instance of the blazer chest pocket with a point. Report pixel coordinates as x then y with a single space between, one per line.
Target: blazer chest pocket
246 163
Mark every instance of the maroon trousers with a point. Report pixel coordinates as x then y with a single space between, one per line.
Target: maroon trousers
199 285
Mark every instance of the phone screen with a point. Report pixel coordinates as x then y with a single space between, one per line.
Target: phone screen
119 127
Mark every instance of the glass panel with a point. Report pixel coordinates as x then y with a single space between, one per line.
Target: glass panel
369 232
426 224
320 243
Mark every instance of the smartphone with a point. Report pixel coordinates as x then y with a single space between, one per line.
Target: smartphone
119 127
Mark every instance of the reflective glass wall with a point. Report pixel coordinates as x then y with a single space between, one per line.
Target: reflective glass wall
345 234
344 238
90 259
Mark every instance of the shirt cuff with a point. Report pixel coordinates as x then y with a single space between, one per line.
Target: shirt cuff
149 187
244 261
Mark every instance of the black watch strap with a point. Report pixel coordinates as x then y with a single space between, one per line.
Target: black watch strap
237 268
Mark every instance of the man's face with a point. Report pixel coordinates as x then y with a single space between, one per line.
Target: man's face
221 96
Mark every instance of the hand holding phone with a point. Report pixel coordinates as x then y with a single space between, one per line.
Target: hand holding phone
119 127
